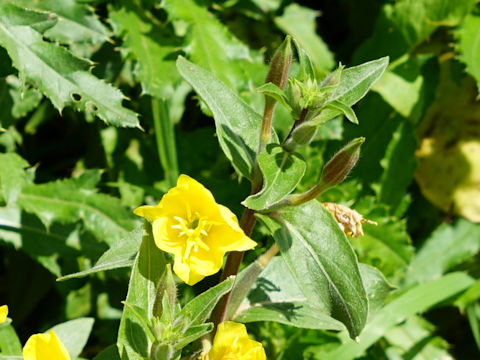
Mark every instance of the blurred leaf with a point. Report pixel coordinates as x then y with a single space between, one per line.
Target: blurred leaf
399 166
71 200
208 42
415 339
449 245
322 261
198 310
12 176
405 24
468 37
149 265
60 75
282 171
25 99
386 246
150 45
448 166
376 287
74 334
110 353
238 125
9 342
76 22
417 299
399 92
300 22
469 297
121 253
473 314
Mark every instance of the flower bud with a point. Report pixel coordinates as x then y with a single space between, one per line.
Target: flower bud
340 165
166 293
280 64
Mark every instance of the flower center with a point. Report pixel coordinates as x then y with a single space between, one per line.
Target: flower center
194 229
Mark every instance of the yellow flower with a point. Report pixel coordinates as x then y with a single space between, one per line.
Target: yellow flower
232 343
188 223
45 347
3 313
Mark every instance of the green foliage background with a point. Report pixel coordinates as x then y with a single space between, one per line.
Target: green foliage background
97 120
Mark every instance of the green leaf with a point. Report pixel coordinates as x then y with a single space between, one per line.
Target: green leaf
449 245
387 246
275 92
238 125
467 45
149 265
149 44
414 339
68 201
209 43
405 24
25 99
60 75
121 253
275 296
110 353
9 341
473 314
282 171
74 334
300 22
399 166
193 333
76 22
357 80
376 286
344 109
322 261
12 176
418 299
199 309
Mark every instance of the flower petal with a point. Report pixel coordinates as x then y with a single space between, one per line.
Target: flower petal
165 238
149 212
207 262
3 313
226 239
45 347
185 272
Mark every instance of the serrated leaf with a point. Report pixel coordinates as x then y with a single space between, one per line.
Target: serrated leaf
74 334
199 309
67 201
300 22
468 38
209 43
149 265
238 125
282 171
449 245
149 44
60 75
121 253
12 176
322 261
418 299
76 22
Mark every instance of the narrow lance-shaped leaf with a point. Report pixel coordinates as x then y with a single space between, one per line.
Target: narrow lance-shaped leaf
55 71
133 342
238 125
322 261
282 171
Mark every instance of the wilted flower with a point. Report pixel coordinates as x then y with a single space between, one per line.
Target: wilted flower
232 342
188 223
45 347
350 221
3 313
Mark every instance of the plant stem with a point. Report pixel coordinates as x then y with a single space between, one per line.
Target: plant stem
234 259
165 138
